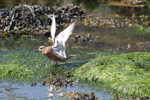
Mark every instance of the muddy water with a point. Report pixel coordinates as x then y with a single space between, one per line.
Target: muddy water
122 39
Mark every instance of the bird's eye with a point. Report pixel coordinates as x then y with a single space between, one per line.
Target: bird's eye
40 48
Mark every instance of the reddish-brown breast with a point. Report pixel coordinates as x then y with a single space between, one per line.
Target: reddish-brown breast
48 52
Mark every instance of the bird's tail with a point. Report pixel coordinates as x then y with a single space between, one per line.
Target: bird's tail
68 57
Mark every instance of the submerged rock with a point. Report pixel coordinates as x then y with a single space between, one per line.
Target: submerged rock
81 96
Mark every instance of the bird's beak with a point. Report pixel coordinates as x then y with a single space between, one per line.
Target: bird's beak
36 51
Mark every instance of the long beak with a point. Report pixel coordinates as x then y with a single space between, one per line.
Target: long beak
36 51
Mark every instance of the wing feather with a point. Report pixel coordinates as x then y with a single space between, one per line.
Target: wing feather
65 34
53 28
60 40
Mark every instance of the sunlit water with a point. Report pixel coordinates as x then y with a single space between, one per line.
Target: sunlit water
17 91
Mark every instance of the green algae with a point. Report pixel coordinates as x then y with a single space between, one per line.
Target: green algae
126 73
25 66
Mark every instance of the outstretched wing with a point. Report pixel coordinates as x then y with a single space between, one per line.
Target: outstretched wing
60 40
53 28
65 34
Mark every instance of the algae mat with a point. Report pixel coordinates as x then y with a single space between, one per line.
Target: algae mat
126 73
26 66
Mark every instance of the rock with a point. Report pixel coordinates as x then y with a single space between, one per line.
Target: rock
36 17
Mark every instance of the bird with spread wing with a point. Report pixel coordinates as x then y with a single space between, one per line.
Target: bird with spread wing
56 52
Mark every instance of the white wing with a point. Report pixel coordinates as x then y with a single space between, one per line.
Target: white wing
60 40
64 35
53 28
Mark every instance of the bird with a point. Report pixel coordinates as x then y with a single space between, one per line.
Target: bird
56 52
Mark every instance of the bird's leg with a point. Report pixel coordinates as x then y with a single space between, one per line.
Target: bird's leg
54 63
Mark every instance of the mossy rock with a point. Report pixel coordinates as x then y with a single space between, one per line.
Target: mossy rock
126 73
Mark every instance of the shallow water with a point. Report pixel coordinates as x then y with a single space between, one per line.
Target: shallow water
24 91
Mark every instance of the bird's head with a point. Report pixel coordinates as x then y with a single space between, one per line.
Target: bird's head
41 48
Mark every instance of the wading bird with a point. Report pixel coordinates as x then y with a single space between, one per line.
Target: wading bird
56 52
